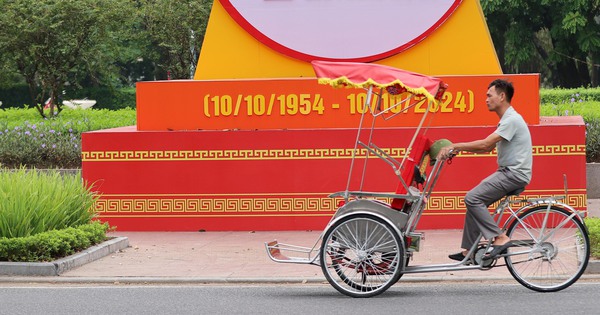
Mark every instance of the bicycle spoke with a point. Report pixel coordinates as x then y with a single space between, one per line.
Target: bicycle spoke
553 259
360 256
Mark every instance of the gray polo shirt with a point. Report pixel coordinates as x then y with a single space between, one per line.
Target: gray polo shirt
514 150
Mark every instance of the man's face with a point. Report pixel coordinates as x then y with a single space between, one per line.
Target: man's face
493 99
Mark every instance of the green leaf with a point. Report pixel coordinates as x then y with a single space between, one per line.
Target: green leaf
573 22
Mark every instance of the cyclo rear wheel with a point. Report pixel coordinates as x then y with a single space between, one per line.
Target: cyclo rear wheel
361 255
555 247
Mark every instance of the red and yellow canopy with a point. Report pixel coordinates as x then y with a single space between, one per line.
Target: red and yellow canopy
365 75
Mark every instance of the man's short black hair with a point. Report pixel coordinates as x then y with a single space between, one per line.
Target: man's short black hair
503 86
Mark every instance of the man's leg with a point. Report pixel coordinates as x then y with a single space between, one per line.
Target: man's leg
470 232
490 190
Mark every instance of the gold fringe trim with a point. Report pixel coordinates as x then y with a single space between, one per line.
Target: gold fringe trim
343 81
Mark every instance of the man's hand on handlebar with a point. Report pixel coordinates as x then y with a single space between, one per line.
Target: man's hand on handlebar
447 153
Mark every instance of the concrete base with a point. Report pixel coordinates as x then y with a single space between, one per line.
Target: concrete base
593 267
593 180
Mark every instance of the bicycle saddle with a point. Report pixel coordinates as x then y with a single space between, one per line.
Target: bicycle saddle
516 192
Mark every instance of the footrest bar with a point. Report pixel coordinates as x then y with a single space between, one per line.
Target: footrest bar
274 250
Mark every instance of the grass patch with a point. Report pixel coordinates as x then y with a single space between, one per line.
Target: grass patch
45 215
33 202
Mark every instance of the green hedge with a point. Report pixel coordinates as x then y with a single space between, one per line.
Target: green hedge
560 96
48 246
16 96
593 226
107 98
46 215
592 126
27 139
590 111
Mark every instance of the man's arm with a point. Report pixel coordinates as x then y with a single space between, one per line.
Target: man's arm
478 146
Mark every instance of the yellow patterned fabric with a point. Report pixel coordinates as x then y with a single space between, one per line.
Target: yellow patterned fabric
365 75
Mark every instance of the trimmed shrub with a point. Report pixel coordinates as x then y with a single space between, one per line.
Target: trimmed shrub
16 96
592 130
593 226
48 246
590 111
28 140
106 97
560 96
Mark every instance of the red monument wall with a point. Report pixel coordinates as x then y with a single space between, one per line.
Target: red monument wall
263 154
280 179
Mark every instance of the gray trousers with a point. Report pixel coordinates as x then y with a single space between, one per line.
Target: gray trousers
478 218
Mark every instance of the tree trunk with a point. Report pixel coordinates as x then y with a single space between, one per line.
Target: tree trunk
594 69
568 74
584 71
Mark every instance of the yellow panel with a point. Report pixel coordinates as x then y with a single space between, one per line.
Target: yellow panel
462 45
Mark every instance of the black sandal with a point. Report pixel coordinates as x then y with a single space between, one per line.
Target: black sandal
494 251
459 257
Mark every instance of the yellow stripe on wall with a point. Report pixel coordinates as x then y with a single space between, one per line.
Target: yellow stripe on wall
285 154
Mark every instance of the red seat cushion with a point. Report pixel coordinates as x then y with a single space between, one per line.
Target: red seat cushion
415 158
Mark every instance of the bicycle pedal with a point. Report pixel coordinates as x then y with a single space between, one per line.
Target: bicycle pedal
485 263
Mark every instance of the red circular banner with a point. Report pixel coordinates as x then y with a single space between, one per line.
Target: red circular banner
340 30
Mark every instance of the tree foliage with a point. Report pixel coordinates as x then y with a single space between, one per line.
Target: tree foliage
52 43
560 39
57 45
175 29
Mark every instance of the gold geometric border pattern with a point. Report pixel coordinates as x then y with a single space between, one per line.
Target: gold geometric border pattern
457 204
283 154
540 150
436 205
217 205
566 149
229 155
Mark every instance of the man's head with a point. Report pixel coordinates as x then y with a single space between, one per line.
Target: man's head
499 94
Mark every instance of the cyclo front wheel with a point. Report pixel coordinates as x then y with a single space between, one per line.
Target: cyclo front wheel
361 255
551 248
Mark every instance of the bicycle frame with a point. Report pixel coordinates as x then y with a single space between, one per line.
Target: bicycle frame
503 207
372 106
363 214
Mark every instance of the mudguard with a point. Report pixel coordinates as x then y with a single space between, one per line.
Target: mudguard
396 219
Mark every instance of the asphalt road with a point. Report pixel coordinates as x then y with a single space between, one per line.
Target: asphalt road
412 298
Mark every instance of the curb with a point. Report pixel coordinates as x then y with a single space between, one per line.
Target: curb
593 267
232 281
59 266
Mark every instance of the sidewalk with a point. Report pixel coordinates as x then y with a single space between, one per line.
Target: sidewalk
234 256
222 257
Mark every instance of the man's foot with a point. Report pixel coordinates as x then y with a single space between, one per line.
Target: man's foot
496 250
501 240
460 256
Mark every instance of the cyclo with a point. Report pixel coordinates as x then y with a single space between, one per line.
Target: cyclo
368 243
